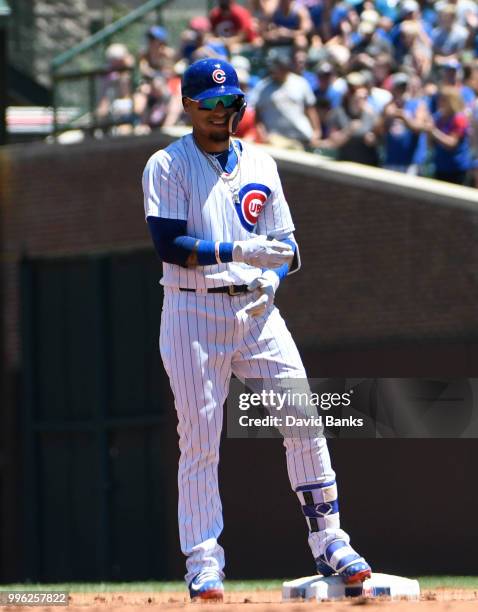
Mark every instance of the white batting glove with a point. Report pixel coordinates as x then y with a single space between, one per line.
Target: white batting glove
265 286
262 253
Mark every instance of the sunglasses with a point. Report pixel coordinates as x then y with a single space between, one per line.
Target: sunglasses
228 101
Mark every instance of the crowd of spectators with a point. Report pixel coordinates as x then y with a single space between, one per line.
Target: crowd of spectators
387 83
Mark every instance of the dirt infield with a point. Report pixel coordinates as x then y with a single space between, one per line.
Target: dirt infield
437 600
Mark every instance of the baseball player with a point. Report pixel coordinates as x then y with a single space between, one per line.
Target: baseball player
222 227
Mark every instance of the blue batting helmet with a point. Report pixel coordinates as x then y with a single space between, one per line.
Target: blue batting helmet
208 78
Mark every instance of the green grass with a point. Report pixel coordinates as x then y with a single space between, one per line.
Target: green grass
108 587
426 582
451 582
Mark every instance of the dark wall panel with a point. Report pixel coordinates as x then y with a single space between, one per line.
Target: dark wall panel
137 514
92 426
84 316
134 295
127 337
67 341
69 490
404 502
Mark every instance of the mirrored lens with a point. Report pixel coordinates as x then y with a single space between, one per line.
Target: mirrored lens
211 103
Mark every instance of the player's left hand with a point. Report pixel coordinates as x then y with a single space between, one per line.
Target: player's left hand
265 286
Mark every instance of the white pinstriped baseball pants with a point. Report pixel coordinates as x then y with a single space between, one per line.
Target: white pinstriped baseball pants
204 338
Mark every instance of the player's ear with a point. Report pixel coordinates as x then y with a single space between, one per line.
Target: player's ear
186 104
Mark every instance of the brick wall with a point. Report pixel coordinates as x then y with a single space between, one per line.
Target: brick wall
381 262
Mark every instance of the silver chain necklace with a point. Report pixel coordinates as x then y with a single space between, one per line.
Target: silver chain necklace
233 180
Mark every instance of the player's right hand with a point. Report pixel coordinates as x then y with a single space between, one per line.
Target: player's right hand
265 287
262 253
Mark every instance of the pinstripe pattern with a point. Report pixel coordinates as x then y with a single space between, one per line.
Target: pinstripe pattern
207 337
179 183
204 338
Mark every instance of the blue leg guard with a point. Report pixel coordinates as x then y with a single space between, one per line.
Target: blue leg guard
330 545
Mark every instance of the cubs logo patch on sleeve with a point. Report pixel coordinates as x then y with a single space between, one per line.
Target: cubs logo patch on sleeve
252 199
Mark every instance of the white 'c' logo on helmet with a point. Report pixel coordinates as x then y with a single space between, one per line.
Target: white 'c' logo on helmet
219 76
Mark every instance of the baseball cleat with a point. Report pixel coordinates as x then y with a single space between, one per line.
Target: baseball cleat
340 558
210 589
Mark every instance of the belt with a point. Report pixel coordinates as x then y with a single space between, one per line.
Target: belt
229 289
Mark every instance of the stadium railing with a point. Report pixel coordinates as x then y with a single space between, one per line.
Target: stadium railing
75 73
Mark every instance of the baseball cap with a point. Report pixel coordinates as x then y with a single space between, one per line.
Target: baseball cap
278 57
325 68
451 64
370 15
201 24
158 33
181 66
239 62
400 79
366 27
356 79
243 76
447 9
208 78
374 50
408 6
116 51
340 12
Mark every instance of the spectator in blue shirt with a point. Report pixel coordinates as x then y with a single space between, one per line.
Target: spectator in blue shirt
412 52
449 37
402 126
197 41
289 24
449 133
368 42
329 86
451 73
320 14
300 67
410 11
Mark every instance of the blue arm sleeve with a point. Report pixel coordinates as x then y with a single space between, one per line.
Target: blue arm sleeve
283 270
174 246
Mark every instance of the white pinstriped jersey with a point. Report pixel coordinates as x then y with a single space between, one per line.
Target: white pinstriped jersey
180 182
206 337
